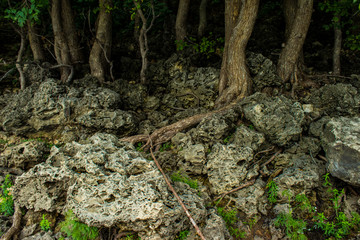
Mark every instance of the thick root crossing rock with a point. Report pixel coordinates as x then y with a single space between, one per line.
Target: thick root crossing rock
107 183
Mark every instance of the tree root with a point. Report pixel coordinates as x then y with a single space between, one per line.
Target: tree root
164 134
15 225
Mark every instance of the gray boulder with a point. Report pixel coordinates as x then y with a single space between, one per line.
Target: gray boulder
194 159
336 100
278 118
245 137
24 155
108 183
341 142
227 166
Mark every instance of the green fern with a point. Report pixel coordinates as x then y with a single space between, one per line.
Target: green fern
77 230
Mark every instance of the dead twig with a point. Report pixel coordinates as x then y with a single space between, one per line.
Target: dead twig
15 225
264 151
249 183
272 158
322 158
198 231
7 73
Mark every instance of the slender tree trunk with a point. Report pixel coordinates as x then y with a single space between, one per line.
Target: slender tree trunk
101 51
70 32
289 55
235 76
180 25
61 48
36 48
337 46
19 59
202 18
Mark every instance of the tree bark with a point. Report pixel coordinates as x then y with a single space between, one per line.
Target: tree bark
337 46
70 32
35 44
180 25
61 48
298 28
235 81
19 59
101 50
202 18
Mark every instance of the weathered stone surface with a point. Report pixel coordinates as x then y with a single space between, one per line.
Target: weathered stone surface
252 199
24 156
214 128
226 166
278 118
336 100
215 227
194 159
302 176
108 183
341 142
263 70
115 120
245 137
99 98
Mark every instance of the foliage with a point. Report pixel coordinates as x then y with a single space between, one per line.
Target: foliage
342 17
77 230
178 177
132 237
6 199
230 218
139 147
45 224
207 46
25 11
294 228
166 146
272 192
182 235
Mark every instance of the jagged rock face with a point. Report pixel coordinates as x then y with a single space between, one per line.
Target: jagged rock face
341 142
245 137
107 183
24 155
301 176
263 70
336 100
227 166
49 105
278 118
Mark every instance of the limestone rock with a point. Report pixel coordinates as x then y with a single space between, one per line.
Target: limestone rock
336 100
107 183
278 118
226 166
341 142
194 159
24 156
245 137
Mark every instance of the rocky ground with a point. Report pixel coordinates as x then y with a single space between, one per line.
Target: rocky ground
62 146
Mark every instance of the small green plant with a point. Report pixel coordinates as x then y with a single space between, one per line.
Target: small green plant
132 237
2 141
230 218
179 177
272 192
227 139
182 235
139 147
166 146
45 224
77 230
6 199
294 228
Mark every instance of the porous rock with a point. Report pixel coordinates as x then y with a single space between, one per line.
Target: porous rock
227 166
107 183
341 142
301 176
278 118
336 100
24 155
194 159
252 199
245 137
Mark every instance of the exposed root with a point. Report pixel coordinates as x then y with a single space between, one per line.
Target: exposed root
15 226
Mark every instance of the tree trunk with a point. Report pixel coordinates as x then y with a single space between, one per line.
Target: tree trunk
35 44
100 53
61 48
337 46
19 59
235 80
202 18
180 25
70 32
297 31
